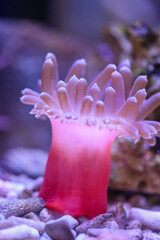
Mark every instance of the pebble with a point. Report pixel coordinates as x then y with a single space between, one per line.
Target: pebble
59 230
150 236
134 224
72 222
110 224
11 195
48 214
32 216
13 221
35 194
21 232
150 219
7 186
45 236
121 216
31 223
35 185
93 223
82 219
25 194
73 233
81 236
113 207
135 234
19 207
31 162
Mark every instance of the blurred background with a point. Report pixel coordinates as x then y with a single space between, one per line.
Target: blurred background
71 29
85 18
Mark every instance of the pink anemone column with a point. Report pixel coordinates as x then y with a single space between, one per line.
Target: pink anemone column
77 171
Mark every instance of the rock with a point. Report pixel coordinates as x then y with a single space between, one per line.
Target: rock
130 160
32 216
82 219
119 234
134 224
81 236
45 236
7 223
31 223
11 195
19 207
25 194
74 233
35 185
28 161
21 232
121 216
59 230
14 221
7 186
93 223
110 224
72 222
35 194
150 236
48 214
148 218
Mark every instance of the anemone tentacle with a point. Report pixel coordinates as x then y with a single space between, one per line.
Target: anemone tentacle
89 119
123 108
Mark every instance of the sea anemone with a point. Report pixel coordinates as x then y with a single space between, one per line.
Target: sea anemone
85 122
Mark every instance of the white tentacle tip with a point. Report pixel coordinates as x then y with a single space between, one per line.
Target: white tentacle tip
48 62
50 55
62 90
24 91
125 63
112 67
81 61
22 98
125 69
116 74
43 94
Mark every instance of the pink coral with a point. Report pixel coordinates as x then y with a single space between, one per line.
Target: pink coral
85 121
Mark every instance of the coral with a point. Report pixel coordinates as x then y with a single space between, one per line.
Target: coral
85 121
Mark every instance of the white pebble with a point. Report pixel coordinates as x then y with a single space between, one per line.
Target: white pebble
81 236
46 215
74 233
6 186
150 236
45 236
148 218
11 195
72 222
21 232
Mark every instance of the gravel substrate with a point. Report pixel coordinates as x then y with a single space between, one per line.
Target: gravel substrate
130 216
